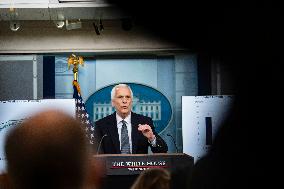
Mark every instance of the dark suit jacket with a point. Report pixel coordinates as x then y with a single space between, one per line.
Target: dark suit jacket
110 143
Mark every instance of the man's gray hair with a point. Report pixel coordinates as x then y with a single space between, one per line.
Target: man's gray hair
118 86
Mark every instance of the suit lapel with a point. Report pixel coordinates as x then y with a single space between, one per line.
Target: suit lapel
134 132
112 128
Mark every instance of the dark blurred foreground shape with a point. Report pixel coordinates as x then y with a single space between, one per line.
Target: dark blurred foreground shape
49 150
153 178
241 36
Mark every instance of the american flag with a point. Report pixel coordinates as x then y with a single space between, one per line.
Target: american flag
82 114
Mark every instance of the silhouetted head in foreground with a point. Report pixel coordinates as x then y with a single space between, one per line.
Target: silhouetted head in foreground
153 178
49 150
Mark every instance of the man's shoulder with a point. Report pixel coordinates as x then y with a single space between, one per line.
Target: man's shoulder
105 119
140 116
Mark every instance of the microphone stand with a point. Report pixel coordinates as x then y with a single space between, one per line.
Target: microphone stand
173 141
99 147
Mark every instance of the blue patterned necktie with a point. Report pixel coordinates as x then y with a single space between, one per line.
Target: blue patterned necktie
125 147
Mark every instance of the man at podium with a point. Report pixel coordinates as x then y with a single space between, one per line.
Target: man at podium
125 132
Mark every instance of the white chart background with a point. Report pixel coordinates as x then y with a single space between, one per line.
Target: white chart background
195 109
14 112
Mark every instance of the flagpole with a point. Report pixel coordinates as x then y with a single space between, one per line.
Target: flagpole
75 61
81 111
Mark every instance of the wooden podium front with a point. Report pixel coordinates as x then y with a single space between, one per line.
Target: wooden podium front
121 170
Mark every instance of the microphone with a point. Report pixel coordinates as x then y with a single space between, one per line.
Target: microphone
173 141
105 135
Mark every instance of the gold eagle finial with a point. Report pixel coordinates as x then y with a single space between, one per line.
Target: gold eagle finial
75 61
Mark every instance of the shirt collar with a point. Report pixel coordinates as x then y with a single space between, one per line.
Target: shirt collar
119 119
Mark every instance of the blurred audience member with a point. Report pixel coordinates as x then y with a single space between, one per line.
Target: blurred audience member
50 151
153 179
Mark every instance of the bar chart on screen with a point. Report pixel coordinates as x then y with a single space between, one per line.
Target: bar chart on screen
201 119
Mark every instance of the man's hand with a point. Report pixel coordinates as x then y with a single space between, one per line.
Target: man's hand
146 131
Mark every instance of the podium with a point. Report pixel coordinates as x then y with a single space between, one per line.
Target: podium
121 170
